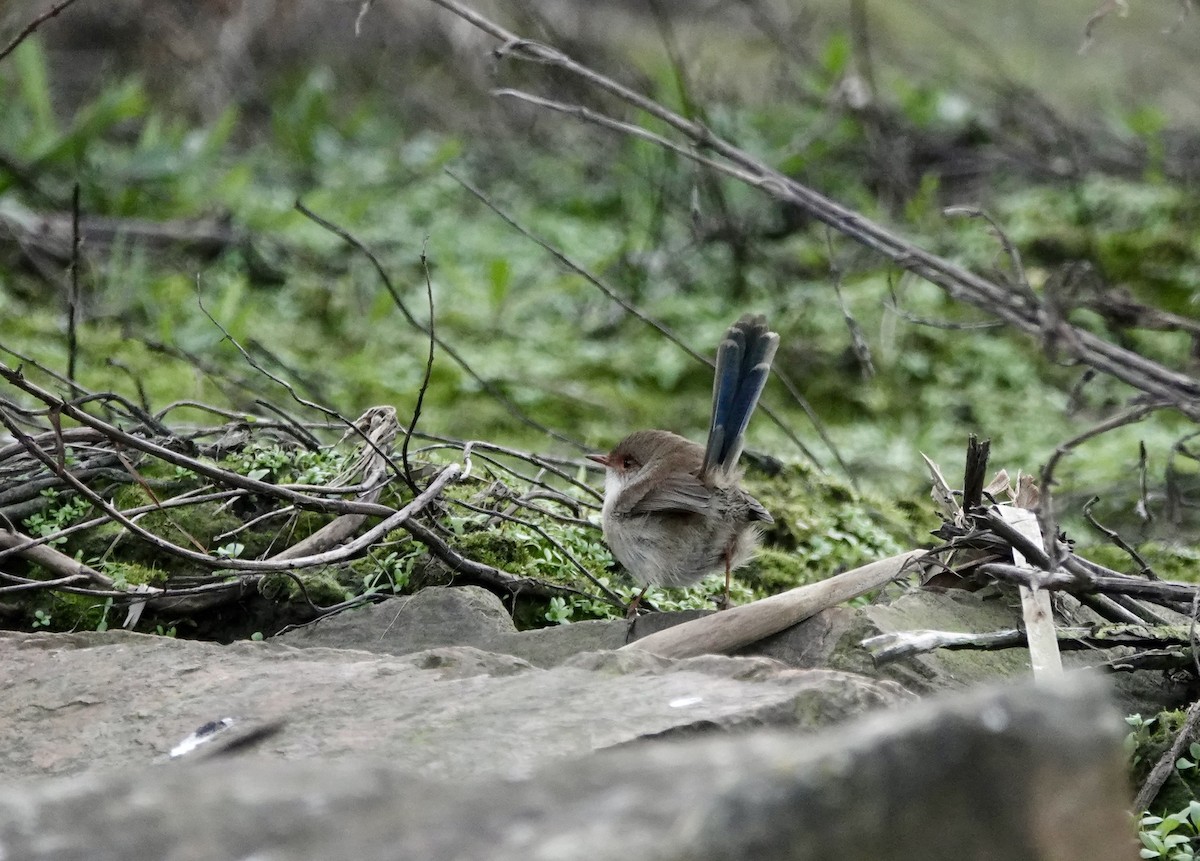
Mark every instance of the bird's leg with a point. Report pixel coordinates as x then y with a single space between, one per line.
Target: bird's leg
728 571
631 614
632 610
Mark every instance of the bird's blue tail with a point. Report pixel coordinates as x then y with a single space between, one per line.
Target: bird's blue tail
743 365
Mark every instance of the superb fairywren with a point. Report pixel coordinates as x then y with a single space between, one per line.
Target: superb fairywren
675 510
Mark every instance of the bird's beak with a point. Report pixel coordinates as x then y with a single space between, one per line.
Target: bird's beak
601 459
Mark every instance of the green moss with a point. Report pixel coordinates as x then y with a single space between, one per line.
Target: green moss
508 549
67 611
134 574
322 586
132 495
824 526
777 571
1146 744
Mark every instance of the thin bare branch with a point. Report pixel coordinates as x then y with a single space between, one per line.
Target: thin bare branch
28 29
1014 307
1046 506
1144 568
416 414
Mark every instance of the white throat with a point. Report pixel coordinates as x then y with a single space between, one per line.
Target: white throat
614 483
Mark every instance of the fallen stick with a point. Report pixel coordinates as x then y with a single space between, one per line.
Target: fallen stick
885 648
740 626
54 561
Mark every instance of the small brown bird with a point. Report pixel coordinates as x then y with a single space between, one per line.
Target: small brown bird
675 510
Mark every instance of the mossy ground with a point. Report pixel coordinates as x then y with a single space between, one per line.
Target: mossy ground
1150 737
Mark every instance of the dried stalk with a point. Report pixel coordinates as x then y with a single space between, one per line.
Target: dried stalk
886 648
732 629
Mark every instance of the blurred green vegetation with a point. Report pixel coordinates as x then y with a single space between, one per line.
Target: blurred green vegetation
687 249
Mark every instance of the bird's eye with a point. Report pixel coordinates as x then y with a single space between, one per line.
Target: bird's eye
629 462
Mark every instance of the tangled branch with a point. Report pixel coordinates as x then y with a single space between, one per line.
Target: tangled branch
82 461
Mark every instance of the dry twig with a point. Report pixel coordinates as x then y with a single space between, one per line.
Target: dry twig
28 29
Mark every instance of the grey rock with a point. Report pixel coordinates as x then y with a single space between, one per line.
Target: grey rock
1014 775
99 701
468 616
832 639
475 617
815 642
432 618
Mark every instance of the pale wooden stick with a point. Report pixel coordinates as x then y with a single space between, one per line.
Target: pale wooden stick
740 626
1035 603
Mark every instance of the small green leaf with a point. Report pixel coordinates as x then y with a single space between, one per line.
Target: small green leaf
1152 841
35 86
1193 812
499 280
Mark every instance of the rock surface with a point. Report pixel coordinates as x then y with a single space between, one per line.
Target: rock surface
74 702
992 609
1029 773
468 616
831 639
